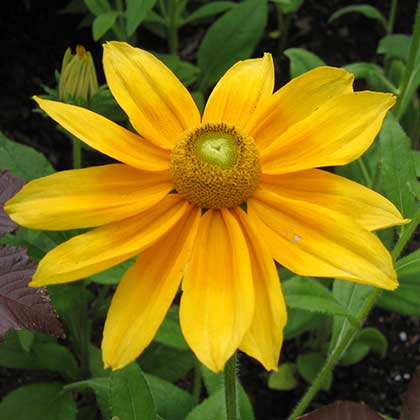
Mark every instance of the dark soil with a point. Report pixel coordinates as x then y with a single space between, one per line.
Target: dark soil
34 37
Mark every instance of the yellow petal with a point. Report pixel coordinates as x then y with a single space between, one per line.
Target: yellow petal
238 93
145 293
87 197
264 338
108 245
337 133
315 241
106 136
160 108
366 207
297 100
217 304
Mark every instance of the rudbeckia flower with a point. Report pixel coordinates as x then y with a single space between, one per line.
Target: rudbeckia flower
208 202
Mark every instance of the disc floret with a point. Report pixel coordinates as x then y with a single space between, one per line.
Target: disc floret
215 166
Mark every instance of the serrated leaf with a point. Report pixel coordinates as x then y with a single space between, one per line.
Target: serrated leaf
103 23
231 38
362 9
20 305
309 364
397 167
172 402
31 164
208 10
136 11
308 294
9 186
38 401
410 409
284 379
213 408
130 395
343 410
302 61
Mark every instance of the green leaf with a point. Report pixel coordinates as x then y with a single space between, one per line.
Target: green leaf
395 46
284 379
213 408
38 401
232 37
368 339
170 333
397 167
113 275
104 103
404 300
352 296
416 157
103 23
308 294
300 321
362 9
96 365
212 381
136 11
186 72
309 364
44 353
168 363
208 10
100 386
26 339
98 7
130 395
302 61
289 6
30 164
172 403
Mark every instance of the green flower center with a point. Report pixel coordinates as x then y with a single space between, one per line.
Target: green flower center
215 166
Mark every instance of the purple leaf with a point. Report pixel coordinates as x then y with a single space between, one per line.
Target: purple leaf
411 401
22 306
9 186
343 410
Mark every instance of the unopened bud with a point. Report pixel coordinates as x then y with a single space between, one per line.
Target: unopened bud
78 81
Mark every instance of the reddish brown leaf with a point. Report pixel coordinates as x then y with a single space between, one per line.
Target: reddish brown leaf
9 186
343 410
411 402
22 306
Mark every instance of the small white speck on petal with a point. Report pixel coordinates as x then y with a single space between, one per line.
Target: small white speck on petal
296 238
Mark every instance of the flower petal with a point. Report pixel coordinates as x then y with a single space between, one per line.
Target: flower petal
264 338
337 133
297 100
160 108
109 245
145 293
87 197
315 241
238 93
365 206
106 136
217 304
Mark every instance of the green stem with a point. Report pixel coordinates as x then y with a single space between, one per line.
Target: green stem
197 383
406 235
408 74
172 25
231 399
391 17
342 345
335 356
284 21
77 153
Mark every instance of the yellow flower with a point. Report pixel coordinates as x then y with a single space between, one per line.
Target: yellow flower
249 146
